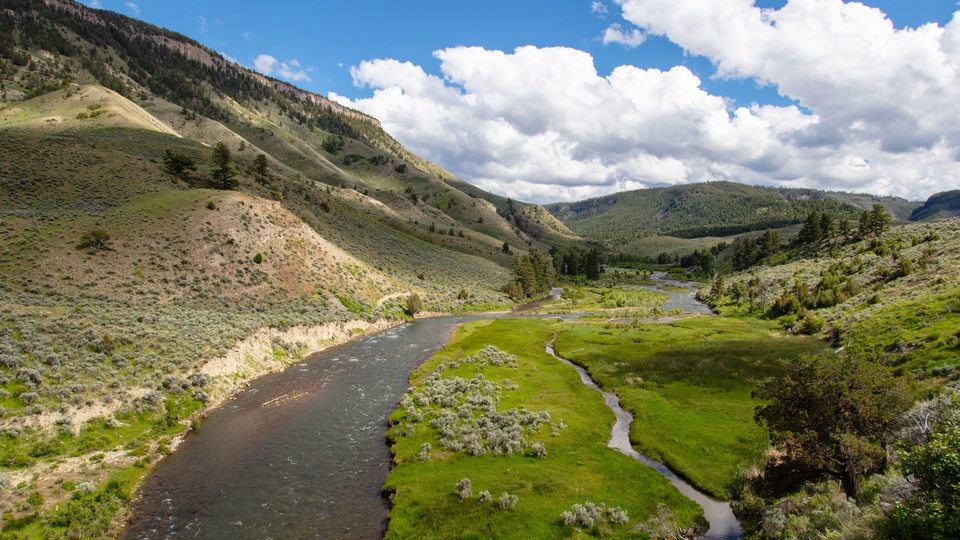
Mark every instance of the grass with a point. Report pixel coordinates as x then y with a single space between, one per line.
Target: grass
907 321
688 384
624 300
578 466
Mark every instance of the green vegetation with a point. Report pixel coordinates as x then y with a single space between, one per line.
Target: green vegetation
945 204
542 446
414 304
178 164
712 209
95 239
223 173
533 275
831 414
688 384
624 301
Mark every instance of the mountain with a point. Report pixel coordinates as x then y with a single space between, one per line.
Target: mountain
122 279
944 204
693 211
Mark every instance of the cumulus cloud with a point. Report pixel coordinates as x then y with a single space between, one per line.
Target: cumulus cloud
96 4
598 7
866 80
615 34
134 8
878 106
269 65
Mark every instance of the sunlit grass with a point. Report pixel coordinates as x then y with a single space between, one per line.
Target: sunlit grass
578 467
688 383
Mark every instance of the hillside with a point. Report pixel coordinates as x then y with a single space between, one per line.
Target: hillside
199 94
125 285
711 209
945 204
692 211
892 296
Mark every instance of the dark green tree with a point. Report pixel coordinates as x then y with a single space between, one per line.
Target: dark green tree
223 173
879 219
178 164
769 243
593 264
827 226
506 248
260 168
414 304
811 232
830 414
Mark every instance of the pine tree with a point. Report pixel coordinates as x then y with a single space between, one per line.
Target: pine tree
223 173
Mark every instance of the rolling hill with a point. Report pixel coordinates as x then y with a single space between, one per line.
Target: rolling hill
693 211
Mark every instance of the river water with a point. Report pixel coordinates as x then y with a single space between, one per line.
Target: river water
301 453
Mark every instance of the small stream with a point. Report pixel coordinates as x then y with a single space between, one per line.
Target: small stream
723 524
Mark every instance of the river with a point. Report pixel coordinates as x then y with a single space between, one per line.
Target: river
301 453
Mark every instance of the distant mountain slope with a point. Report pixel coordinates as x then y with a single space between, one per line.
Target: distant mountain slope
945 204
692 211
898 207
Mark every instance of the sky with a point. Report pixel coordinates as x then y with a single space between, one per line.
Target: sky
562 100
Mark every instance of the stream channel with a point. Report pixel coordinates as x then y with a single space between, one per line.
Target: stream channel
301 453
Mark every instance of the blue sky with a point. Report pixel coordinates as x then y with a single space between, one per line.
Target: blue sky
330 37
428 70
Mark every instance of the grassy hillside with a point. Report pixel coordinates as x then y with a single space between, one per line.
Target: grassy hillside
200 95
690 211
893 297
945 204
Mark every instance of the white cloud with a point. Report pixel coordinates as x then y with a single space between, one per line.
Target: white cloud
598 7
134 8
269 65
247 35
867 81
878 106
615 34
541 124
96 4
203 23
229 58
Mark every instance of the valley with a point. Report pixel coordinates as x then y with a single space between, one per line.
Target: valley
231 307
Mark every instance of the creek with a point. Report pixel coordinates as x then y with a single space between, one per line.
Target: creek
301 453
723 524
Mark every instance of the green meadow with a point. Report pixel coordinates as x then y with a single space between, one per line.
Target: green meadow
575 467
688 384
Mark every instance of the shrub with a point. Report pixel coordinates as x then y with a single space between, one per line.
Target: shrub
465 488
95 239
507 501
258 258
35 499
414 304
424 454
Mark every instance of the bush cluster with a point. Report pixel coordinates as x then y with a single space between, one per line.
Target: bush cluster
465 411
586 515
